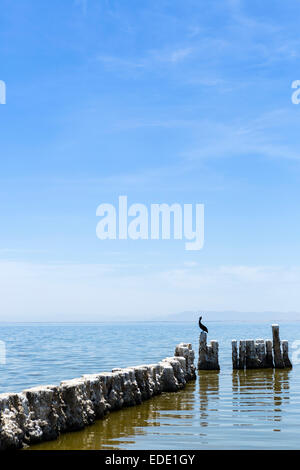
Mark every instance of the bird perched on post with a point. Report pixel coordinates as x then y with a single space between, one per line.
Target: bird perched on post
201 326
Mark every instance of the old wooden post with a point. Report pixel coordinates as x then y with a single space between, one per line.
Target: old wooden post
213 351
269 354
260 349
252 361
278 359
261 354
242 354
285 354
235 361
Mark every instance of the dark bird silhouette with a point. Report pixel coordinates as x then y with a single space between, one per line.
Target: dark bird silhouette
203 327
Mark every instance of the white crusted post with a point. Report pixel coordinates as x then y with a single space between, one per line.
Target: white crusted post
185 350
208 355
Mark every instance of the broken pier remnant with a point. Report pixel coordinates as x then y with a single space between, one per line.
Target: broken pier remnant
208 354
261 354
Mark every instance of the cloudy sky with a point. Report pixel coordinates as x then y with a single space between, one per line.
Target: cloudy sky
163 101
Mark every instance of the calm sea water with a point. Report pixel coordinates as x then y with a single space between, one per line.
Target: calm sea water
225 410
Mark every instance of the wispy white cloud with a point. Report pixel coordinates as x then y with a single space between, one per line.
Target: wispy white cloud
251 23
70 292
262 40
266 136
268 39
154 57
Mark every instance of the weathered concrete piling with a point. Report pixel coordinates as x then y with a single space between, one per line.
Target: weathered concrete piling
261 354
285 354
185 350
43 413
242 355
269 355
208 354
235 359
278 359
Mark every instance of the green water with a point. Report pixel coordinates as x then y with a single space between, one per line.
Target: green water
239 410
226 410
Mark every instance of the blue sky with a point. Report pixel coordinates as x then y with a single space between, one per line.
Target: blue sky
163 101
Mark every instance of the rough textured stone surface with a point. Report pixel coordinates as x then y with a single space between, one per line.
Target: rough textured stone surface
76 403
185 350
42 413
12 422
96 390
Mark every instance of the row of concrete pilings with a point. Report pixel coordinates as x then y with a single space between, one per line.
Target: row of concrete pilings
42 413
248 354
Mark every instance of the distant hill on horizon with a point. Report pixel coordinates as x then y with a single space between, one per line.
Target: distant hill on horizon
273 317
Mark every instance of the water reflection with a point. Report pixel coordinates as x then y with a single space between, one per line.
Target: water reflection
208 394
262 392
164 416
220 410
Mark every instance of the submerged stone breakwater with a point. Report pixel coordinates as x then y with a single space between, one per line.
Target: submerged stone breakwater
43 413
